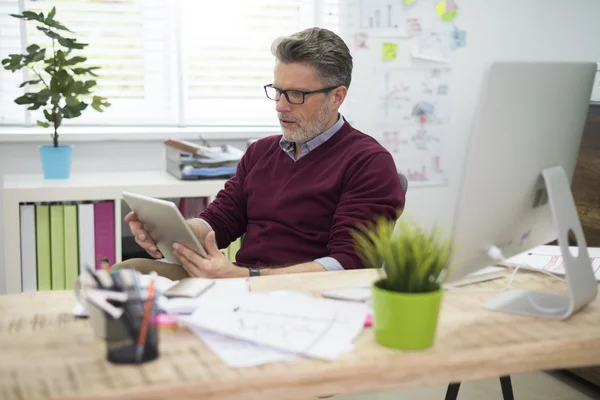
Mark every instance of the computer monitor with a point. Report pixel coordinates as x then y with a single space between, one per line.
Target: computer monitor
515 191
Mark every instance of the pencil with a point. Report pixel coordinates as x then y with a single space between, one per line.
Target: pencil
105 264
145 320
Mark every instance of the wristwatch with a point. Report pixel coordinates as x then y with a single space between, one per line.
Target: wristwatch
254 271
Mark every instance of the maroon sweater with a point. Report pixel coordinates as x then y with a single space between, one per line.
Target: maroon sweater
295 212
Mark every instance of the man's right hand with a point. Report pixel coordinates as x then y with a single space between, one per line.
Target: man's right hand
141 236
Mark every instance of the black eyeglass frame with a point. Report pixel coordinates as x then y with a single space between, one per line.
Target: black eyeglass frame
285 92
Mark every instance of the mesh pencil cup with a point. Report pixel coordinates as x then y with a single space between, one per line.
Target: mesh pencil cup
122 335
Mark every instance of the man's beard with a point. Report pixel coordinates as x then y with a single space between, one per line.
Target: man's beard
306 130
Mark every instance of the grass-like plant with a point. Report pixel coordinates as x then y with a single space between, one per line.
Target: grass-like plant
413 260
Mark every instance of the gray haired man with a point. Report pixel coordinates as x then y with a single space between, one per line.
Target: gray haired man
295 197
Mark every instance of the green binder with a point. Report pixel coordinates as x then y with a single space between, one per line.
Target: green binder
71 245
233 249
42 240
57 246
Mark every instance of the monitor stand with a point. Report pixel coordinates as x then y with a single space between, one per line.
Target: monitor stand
580 277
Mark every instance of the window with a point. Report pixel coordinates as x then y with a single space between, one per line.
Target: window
176 63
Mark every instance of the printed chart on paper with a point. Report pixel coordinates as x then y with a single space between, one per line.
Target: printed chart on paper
413 113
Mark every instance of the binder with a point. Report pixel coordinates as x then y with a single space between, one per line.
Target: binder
104 232
42 243
28 248
87 247
57 246
71 245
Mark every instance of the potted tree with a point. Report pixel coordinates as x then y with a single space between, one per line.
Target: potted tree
58 83
413 264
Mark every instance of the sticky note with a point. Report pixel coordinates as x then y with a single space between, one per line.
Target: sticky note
409 2
390 50
446 13
459 38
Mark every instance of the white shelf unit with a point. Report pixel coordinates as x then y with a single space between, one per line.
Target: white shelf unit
86 187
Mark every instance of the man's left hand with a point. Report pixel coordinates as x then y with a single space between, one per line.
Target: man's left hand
213 267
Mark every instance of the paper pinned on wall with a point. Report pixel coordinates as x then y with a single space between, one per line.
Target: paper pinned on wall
382 18
361 40
414 112
389 51
432 46
459 38
413 27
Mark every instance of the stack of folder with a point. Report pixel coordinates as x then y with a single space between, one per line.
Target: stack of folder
190 161
58 238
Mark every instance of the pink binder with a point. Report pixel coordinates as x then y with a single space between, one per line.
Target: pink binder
104 231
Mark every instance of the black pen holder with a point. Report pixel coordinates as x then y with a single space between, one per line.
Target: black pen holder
122 335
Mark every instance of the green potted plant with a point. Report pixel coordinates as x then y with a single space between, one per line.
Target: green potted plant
58 83
413 264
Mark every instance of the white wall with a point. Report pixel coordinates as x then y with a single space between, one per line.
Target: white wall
496 30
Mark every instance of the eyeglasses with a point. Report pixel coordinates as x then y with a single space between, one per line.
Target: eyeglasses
292 96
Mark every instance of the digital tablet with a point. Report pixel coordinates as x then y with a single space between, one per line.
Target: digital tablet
164 223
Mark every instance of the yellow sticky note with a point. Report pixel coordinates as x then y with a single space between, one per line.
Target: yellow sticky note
409 2
443 11
440 8
389 51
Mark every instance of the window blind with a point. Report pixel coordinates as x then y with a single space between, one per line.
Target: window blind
10 43
185 63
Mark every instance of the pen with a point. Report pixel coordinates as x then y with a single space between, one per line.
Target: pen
145 320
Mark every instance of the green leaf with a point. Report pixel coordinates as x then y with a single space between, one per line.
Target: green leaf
98 102
14 62
75 60
33 82
84 71
71 43
29 15
51 14
61 82
49 33
27 98
43 124
39 56
48 116
33 48
58 25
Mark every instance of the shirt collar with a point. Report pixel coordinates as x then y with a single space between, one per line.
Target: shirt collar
290 147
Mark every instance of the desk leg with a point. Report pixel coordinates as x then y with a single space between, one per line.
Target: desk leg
506 385
452 392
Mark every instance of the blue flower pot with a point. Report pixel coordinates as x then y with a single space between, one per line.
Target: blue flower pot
56 161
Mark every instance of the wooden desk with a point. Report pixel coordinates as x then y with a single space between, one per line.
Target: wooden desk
45 353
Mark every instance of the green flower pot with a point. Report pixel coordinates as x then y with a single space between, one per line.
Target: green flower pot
405 321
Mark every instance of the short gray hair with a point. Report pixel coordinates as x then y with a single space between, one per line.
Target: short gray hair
321 48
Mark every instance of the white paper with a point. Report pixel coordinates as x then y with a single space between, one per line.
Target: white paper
223 292
549 258
285 321
239 353
383 18
413 114
432 46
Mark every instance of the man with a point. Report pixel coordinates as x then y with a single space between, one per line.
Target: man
295 197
